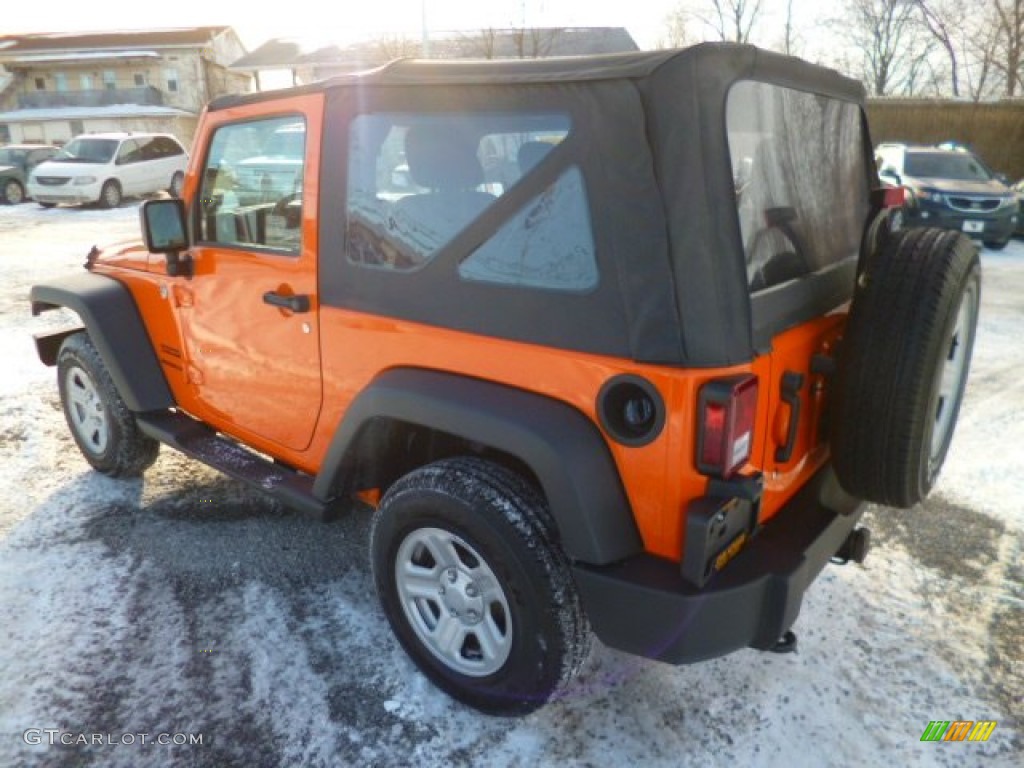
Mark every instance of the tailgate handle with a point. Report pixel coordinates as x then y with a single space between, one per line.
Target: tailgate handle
790 394
294 303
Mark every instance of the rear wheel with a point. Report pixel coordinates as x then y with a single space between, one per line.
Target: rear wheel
476 587
12 192
997 245
103 427
904 363
110 195
47 205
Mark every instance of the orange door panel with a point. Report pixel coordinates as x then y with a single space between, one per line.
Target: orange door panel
249 314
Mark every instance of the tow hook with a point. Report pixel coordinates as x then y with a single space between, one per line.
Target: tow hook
855 547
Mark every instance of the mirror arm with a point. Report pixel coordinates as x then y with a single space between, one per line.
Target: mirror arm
178 266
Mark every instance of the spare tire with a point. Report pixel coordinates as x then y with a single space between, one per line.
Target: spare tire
903 364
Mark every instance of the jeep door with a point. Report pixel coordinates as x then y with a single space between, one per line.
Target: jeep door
249 315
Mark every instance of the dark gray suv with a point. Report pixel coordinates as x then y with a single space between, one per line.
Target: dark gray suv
951 189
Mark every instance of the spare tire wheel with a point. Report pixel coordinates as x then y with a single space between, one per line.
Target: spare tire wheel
903 364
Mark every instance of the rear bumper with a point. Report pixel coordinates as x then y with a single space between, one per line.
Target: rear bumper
643 606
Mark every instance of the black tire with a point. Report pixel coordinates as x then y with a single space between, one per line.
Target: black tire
12 193
177 184
47 205
530 635
110 195
103 427
997 245
903 365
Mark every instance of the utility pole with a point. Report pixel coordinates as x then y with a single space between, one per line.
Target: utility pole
424 33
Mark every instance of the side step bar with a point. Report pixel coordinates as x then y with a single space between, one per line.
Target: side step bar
183 433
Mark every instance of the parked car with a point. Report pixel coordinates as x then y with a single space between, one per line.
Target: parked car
16 163
600 386
949 187
107 167
1018 189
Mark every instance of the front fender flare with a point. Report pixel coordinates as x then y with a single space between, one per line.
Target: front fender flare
108 311
562 447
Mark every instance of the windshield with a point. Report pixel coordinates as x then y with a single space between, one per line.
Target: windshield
946 165
88 151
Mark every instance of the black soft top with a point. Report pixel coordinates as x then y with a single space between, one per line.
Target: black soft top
654 147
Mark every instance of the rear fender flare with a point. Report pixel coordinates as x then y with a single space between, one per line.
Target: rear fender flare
562 447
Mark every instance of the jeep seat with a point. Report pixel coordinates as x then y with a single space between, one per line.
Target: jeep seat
443 160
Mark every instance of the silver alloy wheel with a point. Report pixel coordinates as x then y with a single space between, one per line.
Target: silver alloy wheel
953 373
453 601
88 414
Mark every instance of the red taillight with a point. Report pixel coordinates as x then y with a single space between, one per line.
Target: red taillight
888 197
725 433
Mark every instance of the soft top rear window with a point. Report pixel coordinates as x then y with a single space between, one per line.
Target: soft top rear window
800 179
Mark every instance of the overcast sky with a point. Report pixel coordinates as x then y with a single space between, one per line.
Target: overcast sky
258 21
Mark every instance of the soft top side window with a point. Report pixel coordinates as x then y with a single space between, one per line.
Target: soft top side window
418 179
800 177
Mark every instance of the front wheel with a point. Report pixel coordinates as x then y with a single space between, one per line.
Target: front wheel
476 587
12 192
110 195
103 427
997 245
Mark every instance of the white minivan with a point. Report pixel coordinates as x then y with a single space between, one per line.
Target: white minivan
106 167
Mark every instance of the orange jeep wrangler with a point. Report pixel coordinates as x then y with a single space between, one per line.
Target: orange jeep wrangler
619 344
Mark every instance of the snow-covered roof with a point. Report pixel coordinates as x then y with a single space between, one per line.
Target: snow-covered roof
36 58
88 113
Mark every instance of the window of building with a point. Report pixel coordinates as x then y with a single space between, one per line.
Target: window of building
85 82
60 81
140 79
251 193
77 128
418 180
40 84
109 79
171 76
5 133
801 180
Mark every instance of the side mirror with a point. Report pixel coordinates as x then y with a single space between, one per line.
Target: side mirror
1003 179
164 230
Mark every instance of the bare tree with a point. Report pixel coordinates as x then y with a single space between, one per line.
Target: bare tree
789 32
888 34
1009 16
734 19
482 43
677 33
941 18
393 46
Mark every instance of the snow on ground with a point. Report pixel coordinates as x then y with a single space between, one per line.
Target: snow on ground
185 603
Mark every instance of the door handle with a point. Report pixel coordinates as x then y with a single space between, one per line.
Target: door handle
790 394
299 303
